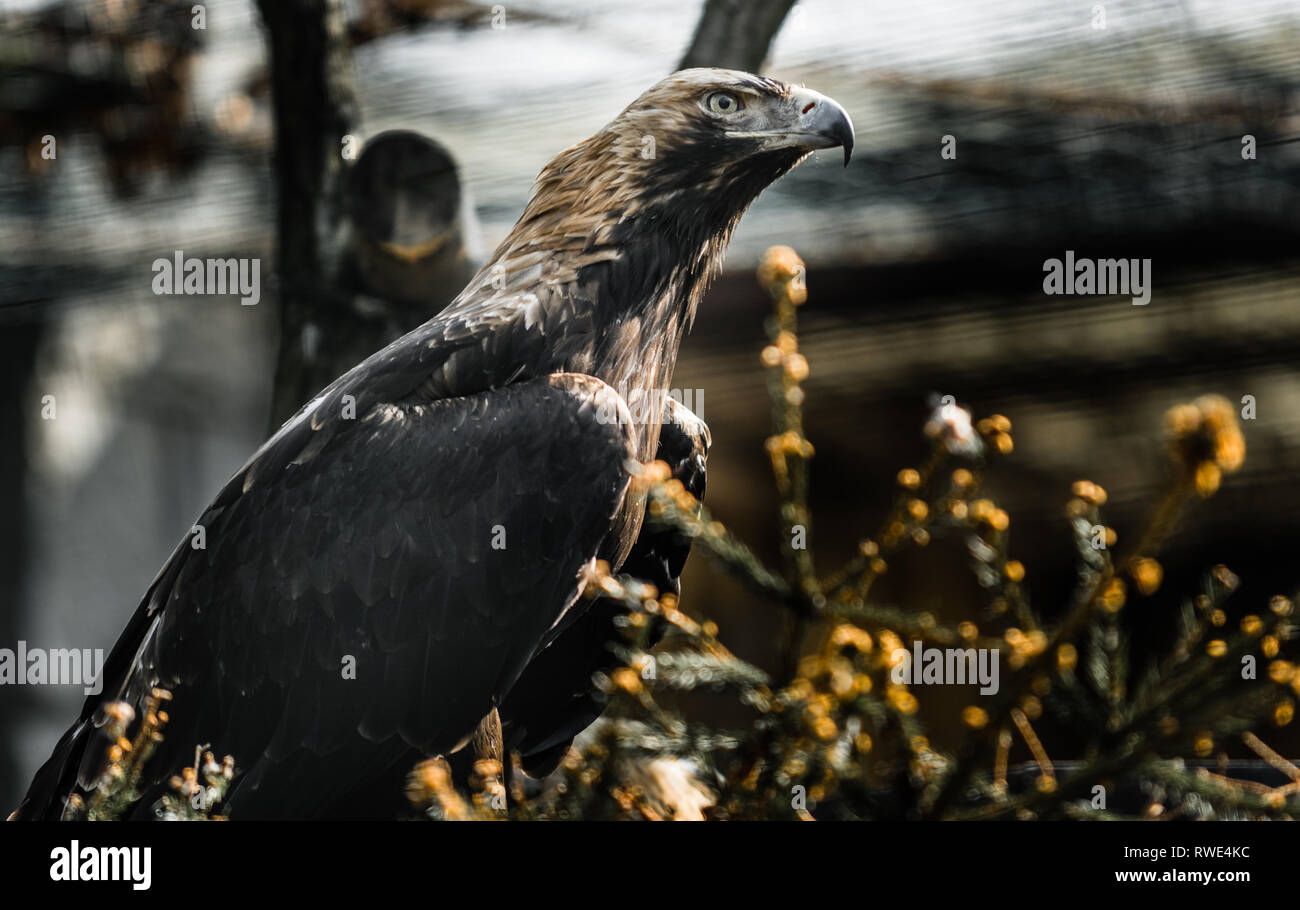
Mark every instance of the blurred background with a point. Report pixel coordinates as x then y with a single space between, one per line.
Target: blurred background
131 129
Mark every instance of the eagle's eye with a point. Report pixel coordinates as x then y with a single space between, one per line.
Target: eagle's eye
722 103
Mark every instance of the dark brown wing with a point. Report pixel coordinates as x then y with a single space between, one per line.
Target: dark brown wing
431 546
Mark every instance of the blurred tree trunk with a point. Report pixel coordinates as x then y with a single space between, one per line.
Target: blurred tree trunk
736 34
314 109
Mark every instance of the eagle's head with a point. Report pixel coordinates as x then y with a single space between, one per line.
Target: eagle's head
691 153
730 119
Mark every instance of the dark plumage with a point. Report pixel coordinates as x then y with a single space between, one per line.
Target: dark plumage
365 527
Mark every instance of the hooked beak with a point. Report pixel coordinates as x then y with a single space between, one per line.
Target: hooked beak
820 123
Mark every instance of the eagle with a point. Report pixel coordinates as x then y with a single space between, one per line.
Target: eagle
401 565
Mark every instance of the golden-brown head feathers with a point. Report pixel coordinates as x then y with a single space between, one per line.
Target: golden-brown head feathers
697 133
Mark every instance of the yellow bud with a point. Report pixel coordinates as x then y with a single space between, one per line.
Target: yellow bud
903 701
1148 574
1113 596
1281 671
824 729
1089 492
1067 657
1208 477
797 366
627 680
